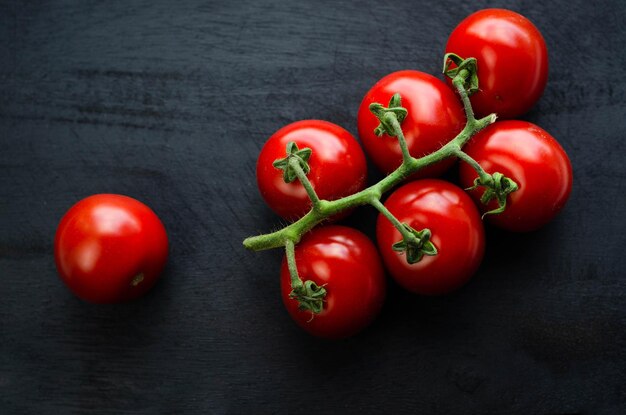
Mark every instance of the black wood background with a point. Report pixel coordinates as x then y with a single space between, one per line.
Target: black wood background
171 103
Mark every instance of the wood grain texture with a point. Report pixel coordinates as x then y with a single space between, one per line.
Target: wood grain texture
170 102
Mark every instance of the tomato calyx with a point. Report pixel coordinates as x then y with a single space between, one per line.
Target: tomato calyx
386 116
301 156
295 166
309 295
465 69
497 186
416 244
391 118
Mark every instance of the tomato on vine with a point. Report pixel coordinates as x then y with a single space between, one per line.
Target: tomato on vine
532 158
512 60
110 248
429 232
455 230
336 162
435 116
346 264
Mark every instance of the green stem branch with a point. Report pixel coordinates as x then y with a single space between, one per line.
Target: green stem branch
399 134
484 176
394 221
290 252
325 209
306 183
458 83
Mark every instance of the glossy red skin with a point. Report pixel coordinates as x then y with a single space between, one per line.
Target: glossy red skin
103 242
338 166
512 60
457 232
347 262
435 116
534 159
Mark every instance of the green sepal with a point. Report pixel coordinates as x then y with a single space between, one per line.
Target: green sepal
395 108
289 175
418 245
310 296
470 83
497 187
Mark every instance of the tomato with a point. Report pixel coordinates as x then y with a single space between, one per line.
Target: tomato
512 60
457 233
534 160
347 262
110 248
338 166
435 116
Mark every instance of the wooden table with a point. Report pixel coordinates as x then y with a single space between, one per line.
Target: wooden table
170 102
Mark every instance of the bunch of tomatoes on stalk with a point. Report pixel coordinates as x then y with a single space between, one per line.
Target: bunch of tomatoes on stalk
430 235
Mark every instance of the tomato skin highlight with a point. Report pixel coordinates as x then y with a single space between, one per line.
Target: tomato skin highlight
110 248
435 116
531 157
457 233
338 166
512 61
347 262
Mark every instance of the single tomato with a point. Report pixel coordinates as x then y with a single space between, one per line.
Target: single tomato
512 60
457 233
534 160
110 248
338 166
346 263
435 116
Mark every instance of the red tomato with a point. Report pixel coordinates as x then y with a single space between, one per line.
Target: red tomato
435 116
347 262
512 60
110 248
457 233
534 160
338 166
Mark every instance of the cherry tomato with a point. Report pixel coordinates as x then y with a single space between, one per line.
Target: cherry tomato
110 248
347 262
512 60
534 160
435 116
338 166
457 233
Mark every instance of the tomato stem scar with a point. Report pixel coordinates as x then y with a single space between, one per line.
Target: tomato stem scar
137 279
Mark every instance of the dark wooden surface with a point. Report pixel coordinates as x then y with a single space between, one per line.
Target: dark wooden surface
171 103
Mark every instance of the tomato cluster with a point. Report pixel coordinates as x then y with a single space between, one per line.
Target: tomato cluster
429 235
443 221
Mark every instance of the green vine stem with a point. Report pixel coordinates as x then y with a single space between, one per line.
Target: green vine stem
482 174
297 168
310 296
406 235
325 208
